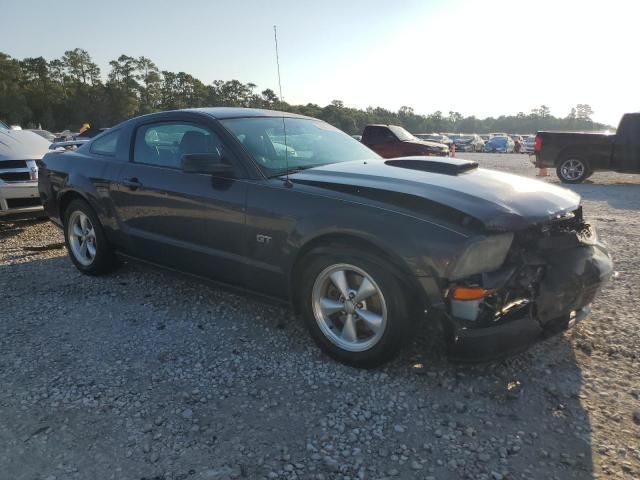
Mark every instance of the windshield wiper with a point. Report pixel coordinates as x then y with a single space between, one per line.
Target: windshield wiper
291 170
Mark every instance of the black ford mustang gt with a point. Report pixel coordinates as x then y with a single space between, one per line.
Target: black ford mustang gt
289 207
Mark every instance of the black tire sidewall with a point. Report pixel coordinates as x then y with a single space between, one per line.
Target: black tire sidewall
581 179
104 260
398 317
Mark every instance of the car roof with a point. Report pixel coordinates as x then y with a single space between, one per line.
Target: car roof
237 112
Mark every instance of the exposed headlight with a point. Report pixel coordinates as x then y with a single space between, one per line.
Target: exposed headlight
588 237
484 255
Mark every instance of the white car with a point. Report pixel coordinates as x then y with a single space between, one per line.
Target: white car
19 150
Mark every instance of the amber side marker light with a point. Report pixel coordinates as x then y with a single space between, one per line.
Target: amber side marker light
469 293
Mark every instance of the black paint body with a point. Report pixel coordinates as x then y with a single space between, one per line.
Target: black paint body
619 152
251 231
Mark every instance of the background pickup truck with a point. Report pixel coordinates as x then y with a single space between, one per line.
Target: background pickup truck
392 141
575 156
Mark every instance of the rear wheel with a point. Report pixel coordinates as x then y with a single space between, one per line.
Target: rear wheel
573 170
86 241
354 306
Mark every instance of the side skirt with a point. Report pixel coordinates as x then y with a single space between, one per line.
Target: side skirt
260 297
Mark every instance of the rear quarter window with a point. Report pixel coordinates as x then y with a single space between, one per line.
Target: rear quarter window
106 144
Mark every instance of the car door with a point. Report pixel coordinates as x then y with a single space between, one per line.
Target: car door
194 222
384 142
626 145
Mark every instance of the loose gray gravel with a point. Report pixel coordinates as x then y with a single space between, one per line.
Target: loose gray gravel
148 375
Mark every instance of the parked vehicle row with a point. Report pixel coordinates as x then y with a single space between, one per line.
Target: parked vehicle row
362 246
435 137
472 142
499 144
467 143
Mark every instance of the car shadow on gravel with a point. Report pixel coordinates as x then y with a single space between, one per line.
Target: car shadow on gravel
10 229
526 409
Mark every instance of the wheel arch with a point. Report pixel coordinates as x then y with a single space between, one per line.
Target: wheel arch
66 198
401 269
573 152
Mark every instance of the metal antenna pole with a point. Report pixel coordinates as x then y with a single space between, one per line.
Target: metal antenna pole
275 37
284 125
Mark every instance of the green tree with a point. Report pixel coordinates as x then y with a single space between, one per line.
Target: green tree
66 92
150 84
13 104
584 112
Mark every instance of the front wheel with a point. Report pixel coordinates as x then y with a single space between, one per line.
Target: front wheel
573 170
354 307
86 241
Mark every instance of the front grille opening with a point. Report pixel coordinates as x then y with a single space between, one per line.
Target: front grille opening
15 176
8 164
23 202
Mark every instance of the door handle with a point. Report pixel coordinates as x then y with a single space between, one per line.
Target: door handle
133 183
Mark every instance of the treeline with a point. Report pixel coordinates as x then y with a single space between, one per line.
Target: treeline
69 91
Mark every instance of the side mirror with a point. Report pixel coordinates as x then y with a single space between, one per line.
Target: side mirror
210 163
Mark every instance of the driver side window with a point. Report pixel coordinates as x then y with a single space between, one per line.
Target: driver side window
164 144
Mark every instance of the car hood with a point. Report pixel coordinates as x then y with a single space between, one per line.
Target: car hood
424 186
22 145
426 143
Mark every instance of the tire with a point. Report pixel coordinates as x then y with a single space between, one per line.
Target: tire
80 221
573 170
374 338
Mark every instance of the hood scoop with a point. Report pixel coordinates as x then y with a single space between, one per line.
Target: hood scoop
448 166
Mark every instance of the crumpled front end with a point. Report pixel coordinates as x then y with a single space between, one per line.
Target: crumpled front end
549 278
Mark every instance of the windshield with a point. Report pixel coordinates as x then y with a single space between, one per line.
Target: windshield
4 125
499 140
401 133
308 143
465 138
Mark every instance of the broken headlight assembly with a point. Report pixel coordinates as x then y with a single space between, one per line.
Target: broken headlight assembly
588 236
484 255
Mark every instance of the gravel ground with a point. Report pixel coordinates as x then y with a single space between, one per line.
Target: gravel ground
148 375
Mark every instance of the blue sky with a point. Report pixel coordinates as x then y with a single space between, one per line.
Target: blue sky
476 57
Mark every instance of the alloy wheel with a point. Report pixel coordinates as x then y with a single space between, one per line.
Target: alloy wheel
349 307
82 238
572 169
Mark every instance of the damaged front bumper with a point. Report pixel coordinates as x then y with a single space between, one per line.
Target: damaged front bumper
570 280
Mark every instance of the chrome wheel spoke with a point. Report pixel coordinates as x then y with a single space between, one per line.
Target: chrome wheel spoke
372 319
365 291
357 320
330 306
84 223
572 169
339 279
82 238
349 330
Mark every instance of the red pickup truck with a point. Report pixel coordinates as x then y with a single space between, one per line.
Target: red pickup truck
391 141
